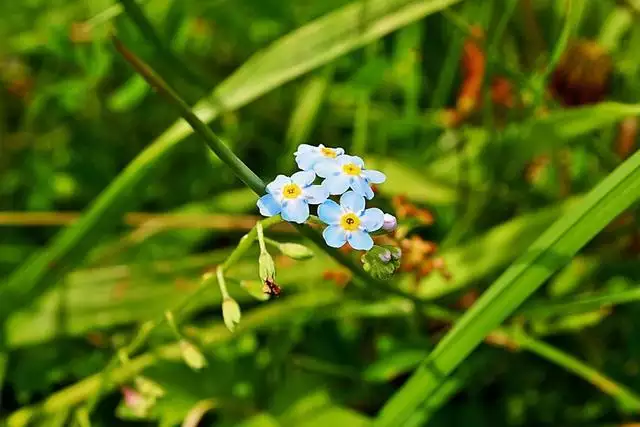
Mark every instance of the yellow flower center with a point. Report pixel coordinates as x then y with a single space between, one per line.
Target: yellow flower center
352 169
291 191
350 222
328 152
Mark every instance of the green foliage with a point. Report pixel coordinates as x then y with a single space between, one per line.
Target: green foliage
534 228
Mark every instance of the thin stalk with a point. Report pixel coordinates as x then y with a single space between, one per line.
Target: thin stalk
605 384
258 319
146 328
212 140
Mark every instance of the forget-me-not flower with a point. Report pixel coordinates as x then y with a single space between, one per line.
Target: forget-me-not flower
291 196
350 222
308 155
346 172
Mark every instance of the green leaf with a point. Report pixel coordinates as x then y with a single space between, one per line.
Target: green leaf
551 251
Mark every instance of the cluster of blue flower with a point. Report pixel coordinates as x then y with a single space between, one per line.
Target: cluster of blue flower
343 175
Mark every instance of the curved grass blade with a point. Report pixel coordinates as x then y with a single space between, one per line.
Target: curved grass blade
550 252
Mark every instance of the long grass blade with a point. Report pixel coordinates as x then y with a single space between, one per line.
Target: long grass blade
551 251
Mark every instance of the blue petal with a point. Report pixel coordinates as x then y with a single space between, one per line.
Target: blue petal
360 240
339 151
352 201
276 185
329 212
361 186
303 178
372 219
374 176
268 205
334 236
326 168
295 211
306 160
336 184
316 194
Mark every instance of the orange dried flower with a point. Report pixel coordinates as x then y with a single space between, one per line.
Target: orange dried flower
340 277
583 74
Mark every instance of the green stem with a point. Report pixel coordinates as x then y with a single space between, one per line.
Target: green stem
258 319
145 330
263 247
272 242
212 140
625 396
222 284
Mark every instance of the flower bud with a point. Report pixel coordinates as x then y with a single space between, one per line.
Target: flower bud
381 261
255 288
390 222
385 256
148 387
230 313
192 356
266 266
135 403
296 251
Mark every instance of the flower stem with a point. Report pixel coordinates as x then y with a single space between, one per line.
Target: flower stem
216 145
263 247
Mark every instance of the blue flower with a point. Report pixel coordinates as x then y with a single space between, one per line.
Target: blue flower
308 155
346 172
350 222
290 196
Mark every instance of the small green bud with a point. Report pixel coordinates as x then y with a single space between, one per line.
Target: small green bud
266 266
255 289
381 261
148 387
296 251
192 356
230 313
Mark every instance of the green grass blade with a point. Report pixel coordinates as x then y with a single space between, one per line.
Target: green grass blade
582 304
550 252
626 397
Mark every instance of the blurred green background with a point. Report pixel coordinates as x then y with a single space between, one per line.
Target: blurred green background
491 118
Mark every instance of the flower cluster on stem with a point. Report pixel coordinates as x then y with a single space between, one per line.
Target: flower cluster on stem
343 175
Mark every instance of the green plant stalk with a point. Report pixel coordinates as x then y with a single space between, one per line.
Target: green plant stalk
212 140
264 316
258 319
141 335
626 397
560 242
580 304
